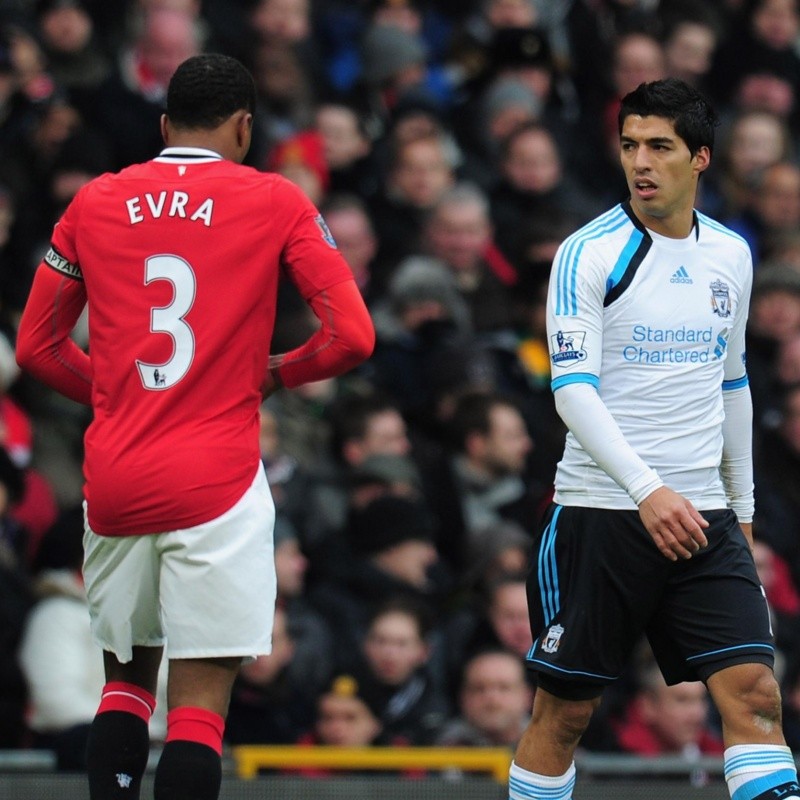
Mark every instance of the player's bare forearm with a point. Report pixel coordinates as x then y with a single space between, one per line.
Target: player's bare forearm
674 524
747 530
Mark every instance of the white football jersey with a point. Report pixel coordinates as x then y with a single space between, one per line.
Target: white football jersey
657 326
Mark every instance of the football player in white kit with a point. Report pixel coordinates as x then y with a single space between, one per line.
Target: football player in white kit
650 531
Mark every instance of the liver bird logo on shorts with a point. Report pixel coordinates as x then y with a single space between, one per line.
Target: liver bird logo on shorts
552 639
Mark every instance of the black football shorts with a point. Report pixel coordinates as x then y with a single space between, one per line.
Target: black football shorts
598 583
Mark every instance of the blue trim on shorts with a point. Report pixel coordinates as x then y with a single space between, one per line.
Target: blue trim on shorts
572 671
548 573
768 647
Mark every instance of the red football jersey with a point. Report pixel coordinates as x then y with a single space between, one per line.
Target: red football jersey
180 258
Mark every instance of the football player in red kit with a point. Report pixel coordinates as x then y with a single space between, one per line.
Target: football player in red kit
179 260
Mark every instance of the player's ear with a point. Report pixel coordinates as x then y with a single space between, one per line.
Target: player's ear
244 128
165 129
702 159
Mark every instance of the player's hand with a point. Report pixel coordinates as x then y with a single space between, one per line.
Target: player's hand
675 525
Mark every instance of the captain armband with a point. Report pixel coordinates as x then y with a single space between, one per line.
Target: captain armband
60 264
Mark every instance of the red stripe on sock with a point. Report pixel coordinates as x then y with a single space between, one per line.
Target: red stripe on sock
196 725
121 696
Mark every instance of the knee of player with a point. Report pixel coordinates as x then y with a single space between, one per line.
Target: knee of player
572 718
755 697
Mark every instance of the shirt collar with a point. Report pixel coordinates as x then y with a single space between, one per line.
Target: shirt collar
195 155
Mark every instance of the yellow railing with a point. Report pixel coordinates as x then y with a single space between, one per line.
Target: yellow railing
249 759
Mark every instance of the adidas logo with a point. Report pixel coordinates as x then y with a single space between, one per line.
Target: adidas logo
680 276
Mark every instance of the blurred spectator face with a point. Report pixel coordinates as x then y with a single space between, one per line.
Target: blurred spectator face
504 450
422 172
790 425
757 140
265 669
533 163
355 238
764 558
775 314
417 124
278 74
777 23
400 13
678 714
495 697
168 39
7 216
418 313
66 29
385 434
638 59
765 92
689 50
343 142
777 201
345 721
184 6
282 20
306 178
394 647
408 561
58 122
787 366
290 568
458 234
508 614
510 13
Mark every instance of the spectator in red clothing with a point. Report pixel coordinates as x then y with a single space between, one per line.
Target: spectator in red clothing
663 719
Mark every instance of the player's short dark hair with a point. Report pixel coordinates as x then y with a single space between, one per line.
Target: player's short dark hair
673 99
207 89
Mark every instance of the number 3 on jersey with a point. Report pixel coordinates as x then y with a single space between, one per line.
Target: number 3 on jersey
170 320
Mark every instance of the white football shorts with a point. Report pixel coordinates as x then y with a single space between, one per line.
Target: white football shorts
207 591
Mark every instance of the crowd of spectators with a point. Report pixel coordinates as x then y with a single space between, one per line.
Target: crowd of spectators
451 147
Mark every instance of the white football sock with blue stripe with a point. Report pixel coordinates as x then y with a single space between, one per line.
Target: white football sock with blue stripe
755 771
524 785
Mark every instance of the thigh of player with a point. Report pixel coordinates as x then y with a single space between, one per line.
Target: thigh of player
714 611
209 590
594 583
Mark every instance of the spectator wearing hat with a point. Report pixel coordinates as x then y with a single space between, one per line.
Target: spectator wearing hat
392 552
343 718
301 159
426 349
